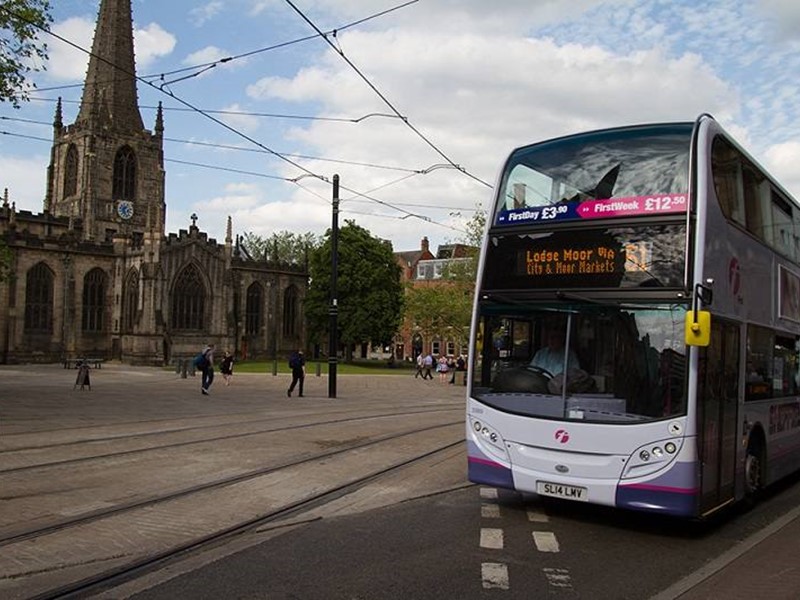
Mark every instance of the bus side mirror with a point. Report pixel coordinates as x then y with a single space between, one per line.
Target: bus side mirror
697 329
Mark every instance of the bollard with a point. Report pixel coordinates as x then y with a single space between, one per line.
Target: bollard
184 368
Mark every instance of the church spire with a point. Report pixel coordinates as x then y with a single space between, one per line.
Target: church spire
111 76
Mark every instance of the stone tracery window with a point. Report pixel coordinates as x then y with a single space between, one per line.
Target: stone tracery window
253 309
94 300
71 172
130 300
290 311
39 299
188 300
124 182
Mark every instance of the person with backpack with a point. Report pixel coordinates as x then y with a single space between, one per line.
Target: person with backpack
297 363
205 362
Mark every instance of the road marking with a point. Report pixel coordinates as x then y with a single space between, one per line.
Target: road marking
558 578
536 516
545 541
494 575
490 511
491 538
489 493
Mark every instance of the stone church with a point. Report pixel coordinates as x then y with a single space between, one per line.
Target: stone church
95 274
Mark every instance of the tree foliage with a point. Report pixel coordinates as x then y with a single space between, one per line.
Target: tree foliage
21 51
369 291
282 246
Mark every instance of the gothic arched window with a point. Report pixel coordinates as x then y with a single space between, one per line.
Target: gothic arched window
124 183
130 300
71 172
290 311
253 309
39 299
188 300
94 300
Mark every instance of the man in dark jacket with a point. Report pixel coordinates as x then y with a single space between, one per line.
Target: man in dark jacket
297 363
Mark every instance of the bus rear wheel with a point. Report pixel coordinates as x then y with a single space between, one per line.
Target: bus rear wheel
753 473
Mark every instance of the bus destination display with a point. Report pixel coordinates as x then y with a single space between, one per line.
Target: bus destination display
595 258
570 261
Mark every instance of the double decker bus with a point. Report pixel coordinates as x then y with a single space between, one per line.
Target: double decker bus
636 328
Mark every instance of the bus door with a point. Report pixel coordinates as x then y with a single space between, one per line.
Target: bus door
717 406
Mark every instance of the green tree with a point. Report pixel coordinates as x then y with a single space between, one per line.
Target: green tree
369 291
283 246
21 51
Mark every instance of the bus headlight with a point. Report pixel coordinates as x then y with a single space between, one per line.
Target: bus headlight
489 438
649 459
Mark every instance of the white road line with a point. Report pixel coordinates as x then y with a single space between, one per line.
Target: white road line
494 575
489 493
558 578
545 541
490 511
536 516
491 538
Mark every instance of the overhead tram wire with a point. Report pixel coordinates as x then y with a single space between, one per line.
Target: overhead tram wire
382 97
241 113
258 150
249 53
355 198
233 130
296 181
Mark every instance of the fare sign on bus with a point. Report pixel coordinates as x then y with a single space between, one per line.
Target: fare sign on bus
609 208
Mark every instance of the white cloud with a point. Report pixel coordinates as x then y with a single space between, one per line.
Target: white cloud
200 15
151 42
241 122
785 13
68 63
209 54
475 97
781 160
25 180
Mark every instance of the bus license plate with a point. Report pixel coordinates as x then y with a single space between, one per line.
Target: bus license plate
559 490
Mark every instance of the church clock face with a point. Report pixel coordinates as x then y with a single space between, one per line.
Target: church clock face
125 209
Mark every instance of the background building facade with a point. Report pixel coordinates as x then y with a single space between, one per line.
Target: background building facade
95 274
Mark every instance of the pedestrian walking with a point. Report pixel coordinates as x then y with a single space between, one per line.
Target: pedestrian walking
297 363
442 368
420 366
226 367
427 363
205 362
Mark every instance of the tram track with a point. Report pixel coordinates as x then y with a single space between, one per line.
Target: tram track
4 454
103 513
293 488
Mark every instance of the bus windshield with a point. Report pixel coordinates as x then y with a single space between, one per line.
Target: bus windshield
623 364
633 171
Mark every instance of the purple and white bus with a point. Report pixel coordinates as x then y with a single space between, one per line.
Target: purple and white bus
635 336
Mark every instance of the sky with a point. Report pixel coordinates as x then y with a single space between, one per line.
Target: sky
414 104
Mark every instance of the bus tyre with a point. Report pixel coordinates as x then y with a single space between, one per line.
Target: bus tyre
753 473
